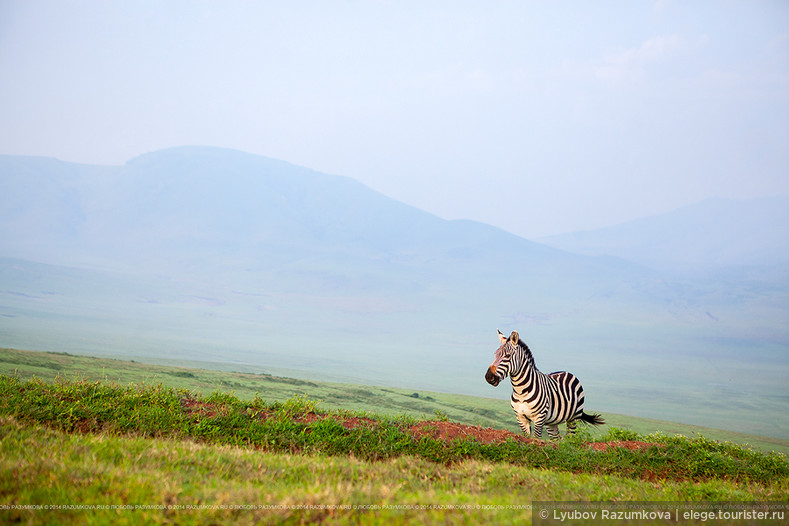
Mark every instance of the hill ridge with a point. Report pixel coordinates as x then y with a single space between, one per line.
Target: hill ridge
712 234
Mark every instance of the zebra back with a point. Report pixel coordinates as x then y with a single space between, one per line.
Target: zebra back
570 400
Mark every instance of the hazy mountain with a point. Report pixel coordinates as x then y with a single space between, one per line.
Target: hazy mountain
212 201
707 237
206 210
221 257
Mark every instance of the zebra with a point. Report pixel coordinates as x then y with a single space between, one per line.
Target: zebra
538 398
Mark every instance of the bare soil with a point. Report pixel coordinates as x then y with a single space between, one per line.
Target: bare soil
632 445
448 431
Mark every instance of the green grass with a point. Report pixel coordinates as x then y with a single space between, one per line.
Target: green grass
234 485
222 419
486 412
110 447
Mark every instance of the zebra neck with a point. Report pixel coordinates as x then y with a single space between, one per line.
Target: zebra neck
523 378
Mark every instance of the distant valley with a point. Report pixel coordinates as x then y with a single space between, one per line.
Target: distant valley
229 260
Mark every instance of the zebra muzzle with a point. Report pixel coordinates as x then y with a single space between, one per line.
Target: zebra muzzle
490 376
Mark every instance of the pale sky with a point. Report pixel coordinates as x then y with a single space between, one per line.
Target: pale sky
537 117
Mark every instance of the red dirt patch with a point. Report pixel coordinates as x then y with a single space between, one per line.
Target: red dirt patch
632 445
351 422
448 431
354 422
205 409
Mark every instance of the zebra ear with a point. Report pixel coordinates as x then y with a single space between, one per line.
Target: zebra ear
514 337
502 338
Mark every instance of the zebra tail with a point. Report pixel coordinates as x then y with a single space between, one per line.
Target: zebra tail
594 419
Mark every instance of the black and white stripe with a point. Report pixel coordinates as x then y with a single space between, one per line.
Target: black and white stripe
537 398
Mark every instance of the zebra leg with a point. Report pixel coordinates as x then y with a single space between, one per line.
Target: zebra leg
553 431
525 423
571 426
538 422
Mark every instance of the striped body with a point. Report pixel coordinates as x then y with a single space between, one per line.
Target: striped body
537 398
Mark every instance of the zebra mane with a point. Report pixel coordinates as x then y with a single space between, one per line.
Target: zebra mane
527 352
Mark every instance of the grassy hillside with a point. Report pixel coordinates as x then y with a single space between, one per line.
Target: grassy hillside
148 453
486 412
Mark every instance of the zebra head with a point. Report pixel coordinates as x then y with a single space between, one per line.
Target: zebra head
502 360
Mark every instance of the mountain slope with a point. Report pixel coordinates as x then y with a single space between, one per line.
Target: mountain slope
166 201
708 236
194 211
